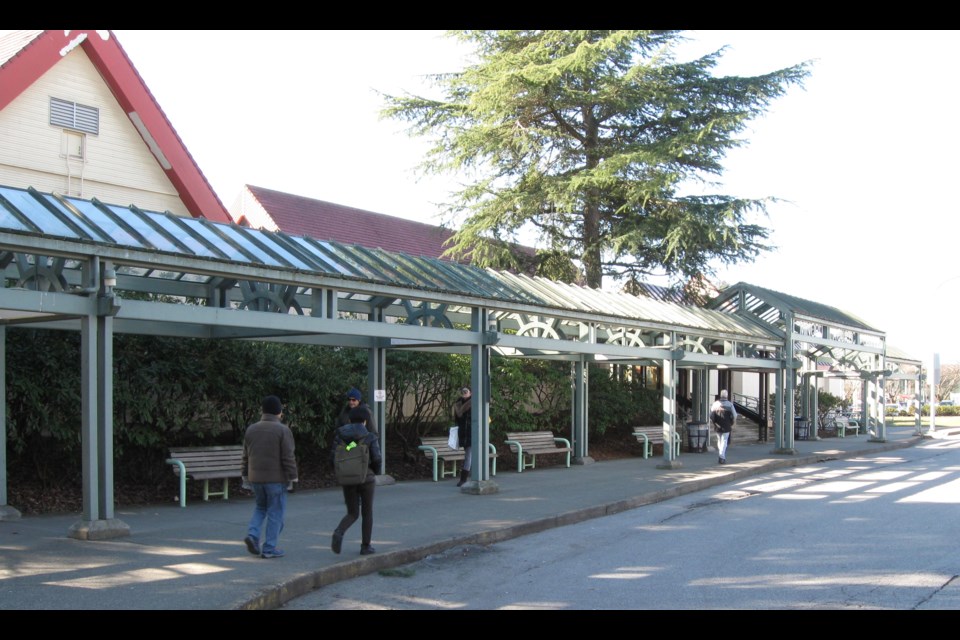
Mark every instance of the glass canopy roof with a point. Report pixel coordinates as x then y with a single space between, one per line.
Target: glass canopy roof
54 216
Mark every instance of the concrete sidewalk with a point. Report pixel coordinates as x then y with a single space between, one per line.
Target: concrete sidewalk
194 557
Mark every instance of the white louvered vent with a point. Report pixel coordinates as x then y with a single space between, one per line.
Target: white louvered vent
71 115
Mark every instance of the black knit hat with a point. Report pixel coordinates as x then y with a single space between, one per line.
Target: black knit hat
357 415
272 405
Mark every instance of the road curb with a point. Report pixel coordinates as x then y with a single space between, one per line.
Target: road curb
275 596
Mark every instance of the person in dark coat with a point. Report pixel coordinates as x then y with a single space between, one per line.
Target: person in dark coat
269 467
463 417
723 414
359 497
355 399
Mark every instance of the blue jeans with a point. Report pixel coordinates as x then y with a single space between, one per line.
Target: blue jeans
271 500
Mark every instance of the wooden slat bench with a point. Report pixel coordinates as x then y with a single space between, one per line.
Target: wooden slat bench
436 449
529 444
206 463
653 434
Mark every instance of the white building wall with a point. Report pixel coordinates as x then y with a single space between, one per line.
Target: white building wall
118 167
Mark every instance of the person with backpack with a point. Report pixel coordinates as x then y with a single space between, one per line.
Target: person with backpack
357 497
723 414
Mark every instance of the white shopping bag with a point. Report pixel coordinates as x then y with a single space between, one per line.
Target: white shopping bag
453 441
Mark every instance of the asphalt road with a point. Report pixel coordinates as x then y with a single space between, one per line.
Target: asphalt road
874 532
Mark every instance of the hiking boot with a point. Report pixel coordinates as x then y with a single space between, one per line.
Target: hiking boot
366 550
336 541
276 553
253 546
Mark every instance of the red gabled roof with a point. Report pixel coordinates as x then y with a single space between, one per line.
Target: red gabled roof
299 216
40 51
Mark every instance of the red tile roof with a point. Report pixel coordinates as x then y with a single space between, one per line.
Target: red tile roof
300 216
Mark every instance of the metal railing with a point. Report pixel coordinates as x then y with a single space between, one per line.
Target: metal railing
752 403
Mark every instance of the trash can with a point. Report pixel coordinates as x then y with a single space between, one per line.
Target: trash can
698 435
801 428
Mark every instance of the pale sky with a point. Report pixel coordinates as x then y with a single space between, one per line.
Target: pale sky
864 157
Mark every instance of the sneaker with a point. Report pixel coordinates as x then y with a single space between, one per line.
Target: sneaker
253 546
276 553
366 550
337 541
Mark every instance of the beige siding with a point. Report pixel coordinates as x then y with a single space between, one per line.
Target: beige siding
118 168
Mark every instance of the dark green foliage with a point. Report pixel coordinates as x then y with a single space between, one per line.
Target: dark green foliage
528 395
429 384
178 391
616 403
43 404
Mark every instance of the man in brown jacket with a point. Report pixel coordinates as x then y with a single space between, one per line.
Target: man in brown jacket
270 466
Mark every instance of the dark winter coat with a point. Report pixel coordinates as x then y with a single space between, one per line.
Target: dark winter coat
269 451
462 414
721 422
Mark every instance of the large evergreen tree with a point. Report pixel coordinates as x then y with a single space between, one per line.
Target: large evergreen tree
590 136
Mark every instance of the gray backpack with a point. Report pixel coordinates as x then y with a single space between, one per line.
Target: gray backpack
351 461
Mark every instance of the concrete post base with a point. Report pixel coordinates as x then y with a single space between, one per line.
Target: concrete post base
98 529
480 488
583 460
669 464
8 513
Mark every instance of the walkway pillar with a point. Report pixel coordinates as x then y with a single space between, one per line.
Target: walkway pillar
96 364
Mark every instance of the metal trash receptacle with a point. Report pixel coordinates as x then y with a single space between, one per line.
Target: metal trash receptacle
698 436
801 428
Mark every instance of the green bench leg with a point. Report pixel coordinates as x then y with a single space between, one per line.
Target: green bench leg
225 494
183 480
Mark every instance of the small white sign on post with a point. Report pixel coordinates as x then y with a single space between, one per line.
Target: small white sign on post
379 395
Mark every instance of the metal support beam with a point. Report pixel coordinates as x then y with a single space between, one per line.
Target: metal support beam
480 482
579 428
96 363
376 379
6 511
669 412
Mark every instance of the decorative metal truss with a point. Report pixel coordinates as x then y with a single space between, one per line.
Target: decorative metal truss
823 336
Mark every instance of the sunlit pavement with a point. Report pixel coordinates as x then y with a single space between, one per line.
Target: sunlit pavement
195 558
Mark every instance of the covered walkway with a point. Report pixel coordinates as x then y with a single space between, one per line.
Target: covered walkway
101 269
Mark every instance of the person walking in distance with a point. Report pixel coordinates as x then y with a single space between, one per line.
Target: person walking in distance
355 399
462 417
723 414
358 497
269 466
